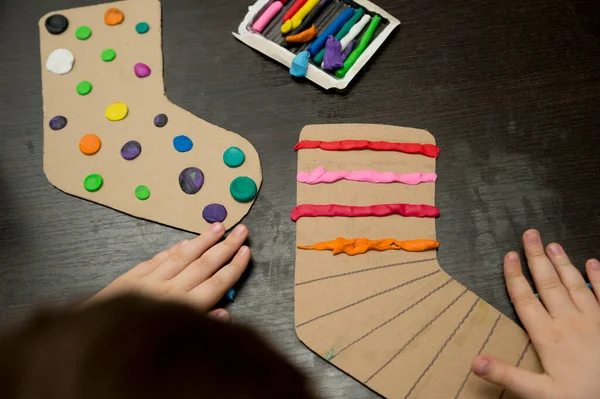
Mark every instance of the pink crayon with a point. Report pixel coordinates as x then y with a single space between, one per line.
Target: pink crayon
267 16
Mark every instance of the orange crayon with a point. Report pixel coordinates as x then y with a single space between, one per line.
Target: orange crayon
303 37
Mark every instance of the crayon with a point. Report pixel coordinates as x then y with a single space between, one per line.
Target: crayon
358 14
333 28
293 9
364 42
349 49
354 32
297 19
303 37
267 16
311 17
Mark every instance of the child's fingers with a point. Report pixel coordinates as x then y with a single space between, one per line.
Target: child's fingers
183 256
222 315
523 383
582 296
211 261
552 291
147 267
529 308
207 294
593 271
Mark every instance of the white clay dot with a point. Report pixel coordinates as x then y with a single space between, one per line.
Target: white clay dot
60 61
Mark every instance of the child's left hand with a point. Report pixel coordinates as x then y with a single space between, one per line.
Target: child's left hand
192 272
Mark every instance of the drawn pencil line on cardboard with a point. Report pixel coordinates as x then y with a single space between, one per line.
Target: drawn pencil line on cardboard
365 270
487 339
403 311
460 324
416 335
404 284
392 347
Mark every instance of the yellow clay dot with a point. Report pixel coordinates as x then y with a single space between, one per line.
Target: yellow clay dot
117 111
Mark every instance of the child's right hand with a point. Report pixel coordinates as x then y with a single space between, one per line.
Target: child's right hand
564 326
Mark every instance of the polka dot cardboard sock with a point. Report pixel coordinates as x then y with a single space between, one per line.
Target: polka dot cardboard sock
393 320
112 137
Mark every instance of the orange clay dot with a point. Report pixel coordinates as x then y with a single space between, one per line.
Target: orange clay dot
89 144
113 16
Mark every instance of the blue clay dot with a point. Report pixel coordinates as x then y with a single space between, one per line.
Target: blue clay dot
182 143
142 28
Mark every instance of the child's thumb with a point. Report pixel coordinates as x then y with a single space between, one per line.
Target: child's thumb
523 383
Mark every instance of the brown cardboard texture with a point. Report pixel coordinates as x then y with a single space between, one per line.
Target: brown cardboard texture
159 165
393 320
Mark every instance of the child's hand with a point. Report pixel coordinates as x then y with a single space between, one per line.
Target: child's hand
191 272
565 329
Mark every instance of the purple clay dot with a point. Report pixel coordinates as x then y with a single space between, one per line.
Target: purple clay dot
191 180
141 70
58 122
214 213
131 150
160 120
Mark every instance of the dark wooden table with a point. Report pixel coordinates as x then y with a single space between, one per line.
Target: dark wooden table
510 89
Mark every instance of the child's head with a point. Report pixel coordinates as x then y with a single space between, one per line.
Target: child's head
134 347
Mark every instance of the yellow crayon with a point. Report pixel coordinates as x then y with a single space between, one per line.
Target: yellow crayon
297 19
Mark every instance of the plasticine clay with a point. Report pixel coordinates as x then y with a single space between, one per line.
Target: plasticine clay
303 37
57 24
60 61
358 246
120 99
300 64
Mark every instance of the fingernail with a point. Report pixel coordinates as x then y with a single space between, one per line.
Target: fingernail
244 250
239 230
594 265
223 316
512 257
532 236
216 228
183 242
481 366
555 249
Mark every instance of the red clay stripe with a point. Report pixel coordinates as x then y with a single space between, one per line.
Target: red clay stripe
409 210
428 150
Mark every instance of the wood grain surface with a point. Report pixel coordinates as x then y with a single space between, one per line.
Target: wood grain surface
509 88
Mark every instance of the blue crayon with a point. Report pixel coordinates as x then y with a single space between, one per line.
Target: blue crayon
230 295
331 30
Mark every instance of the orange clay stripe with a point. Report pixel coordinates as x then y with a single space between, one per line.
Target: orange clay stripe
356 246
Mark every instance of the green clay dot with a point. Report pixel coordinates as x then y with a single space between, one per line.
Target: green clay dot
243 189
108 55
233 157
93 182
84 87
142 193
83 32
142 28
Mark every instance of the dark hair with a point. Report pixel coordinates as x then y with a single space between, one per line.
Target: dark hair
135 347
